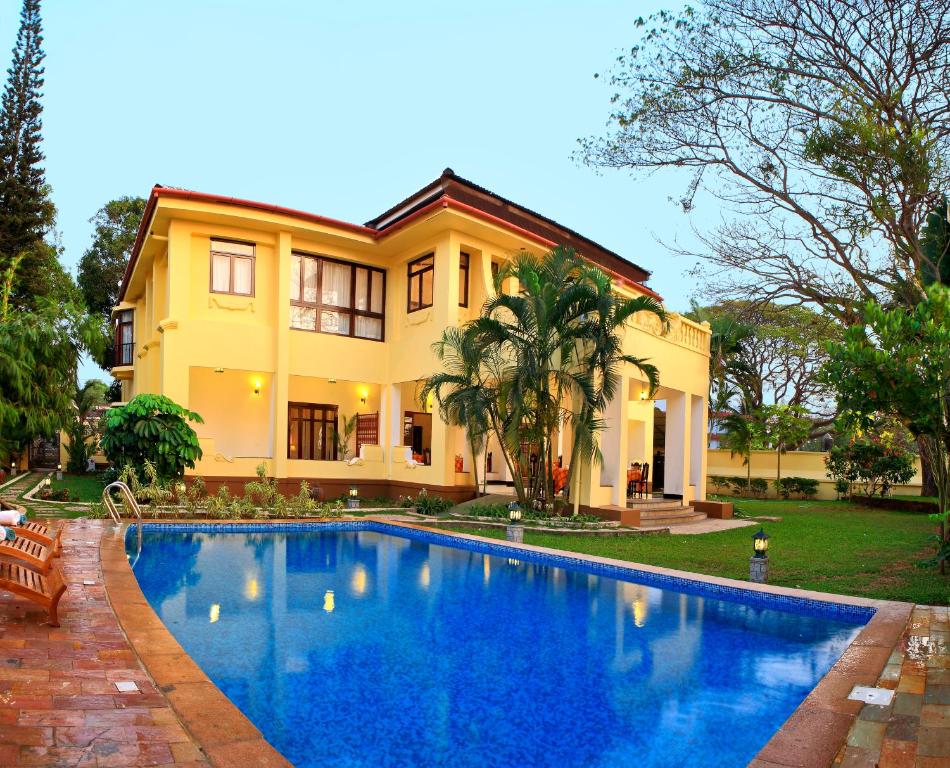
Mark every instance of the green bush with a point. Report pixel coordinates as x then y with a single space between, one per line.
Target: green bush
873 463
431 505
759 487
153 428
720 482
806 487
739 484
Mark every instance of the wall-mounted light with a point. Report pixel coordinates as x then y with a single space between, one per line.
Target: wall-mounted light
219 370
363 393
332 381
643 394
257 386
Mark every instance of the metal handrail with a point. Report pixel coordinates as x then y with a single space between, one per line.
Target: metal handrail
130 502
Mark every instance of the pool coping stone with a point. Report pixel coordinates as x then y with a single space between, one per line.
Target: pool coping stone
811 737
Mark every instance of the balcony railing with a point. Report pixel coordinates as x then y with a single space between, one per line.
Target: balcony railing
123 354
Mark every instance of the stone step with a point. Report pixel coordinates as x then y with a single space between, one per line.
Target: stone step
652 504
667 517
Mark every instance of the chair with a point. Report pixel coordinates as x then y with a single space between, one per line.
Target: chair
29 552
42 589
641 484
49 537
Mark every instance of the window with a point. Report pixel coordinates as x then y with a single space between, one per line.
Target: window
311 431
337 297
124 346
463 279
232 268
421 277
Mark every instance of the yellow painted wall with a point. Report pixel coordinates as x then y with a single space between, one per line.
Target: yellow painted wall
810 464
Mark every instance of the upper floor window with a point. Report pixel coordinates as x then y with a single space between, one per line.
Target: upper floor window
464 260
337 297
124 344
421 280
232 268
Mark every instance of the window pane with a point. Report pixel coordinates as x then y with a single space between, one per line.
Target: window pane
305 441
220 272
336 284
378 297
463 284
368 328
303 317
243 275
362 288
334 322
427 280
310 280
330 439
238 249
125 333
418 266
295 264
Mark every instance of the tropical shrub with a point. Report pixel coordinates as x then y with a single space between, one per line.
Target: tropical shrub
870 463
719 482
153 428
740 484
759 487
430 505
804 486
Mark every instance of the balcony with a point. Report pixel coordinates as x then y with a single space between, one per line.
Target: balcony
123 357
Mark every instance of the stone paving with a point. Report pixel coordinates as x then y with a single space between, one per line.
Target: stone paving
913 731
59 705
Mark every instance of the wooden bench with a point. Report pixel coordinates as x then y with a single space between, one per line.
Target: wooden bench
44 589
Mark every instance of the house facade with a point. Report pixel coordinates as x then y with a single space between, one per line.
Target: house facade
279 327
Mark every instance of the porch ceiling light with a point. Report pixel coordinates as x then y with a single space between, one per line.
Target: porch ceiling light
219 370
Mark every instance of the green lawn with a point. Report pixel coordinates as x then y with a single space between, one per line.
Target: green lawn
828 546
81 487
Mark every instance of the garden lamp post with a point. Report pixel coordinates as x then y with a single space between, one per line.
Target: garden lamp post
59 471
514 531
13 468
353 501
759 562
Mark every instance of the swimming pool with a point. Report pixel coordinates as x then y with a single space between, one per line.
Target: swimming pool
364 644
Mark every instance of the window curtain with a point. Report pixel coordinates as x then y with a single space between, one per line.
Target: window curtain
336 284
221 273
243 275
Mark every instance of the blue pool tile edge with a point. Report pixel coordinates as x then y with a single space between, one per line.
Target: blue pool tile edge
829 609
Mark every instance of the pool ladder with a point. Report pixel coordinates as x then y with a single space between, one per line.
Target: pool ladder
130 503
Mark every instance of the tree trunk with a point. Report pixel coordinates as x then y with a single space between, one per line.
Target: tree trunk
928 484
471 446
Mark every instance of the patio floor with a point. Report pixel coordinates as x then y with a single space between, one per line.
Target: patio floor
59 705
914 730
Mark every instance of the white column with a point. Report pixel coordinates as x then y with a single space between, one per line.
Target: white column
698 439
391 408
677 459
613 444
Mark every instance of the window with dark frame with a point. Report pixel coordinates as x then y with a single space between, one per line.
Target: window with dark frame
338 297
232 267
464 260
311 431
421 273
124 344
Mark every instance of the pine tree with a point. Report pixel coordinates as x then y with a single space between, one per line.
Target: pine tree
26 212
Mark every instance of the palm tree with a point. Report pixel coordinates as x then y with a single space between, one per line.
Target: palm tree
741 437
555 356
88 397
462 391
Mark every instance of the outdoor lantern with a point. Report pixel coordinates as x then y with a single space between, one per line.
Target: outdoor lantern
759 562
12 469
760 543
353 502
514 531
59 471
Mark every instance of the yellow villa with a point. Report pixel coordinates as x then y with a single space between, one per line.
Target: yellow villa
276 324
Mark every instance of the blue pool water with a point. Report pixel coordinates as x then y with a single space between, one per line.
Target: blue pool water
365 645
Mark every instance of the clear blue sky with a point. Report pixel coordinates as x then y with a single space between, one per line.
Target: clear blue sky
343 109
